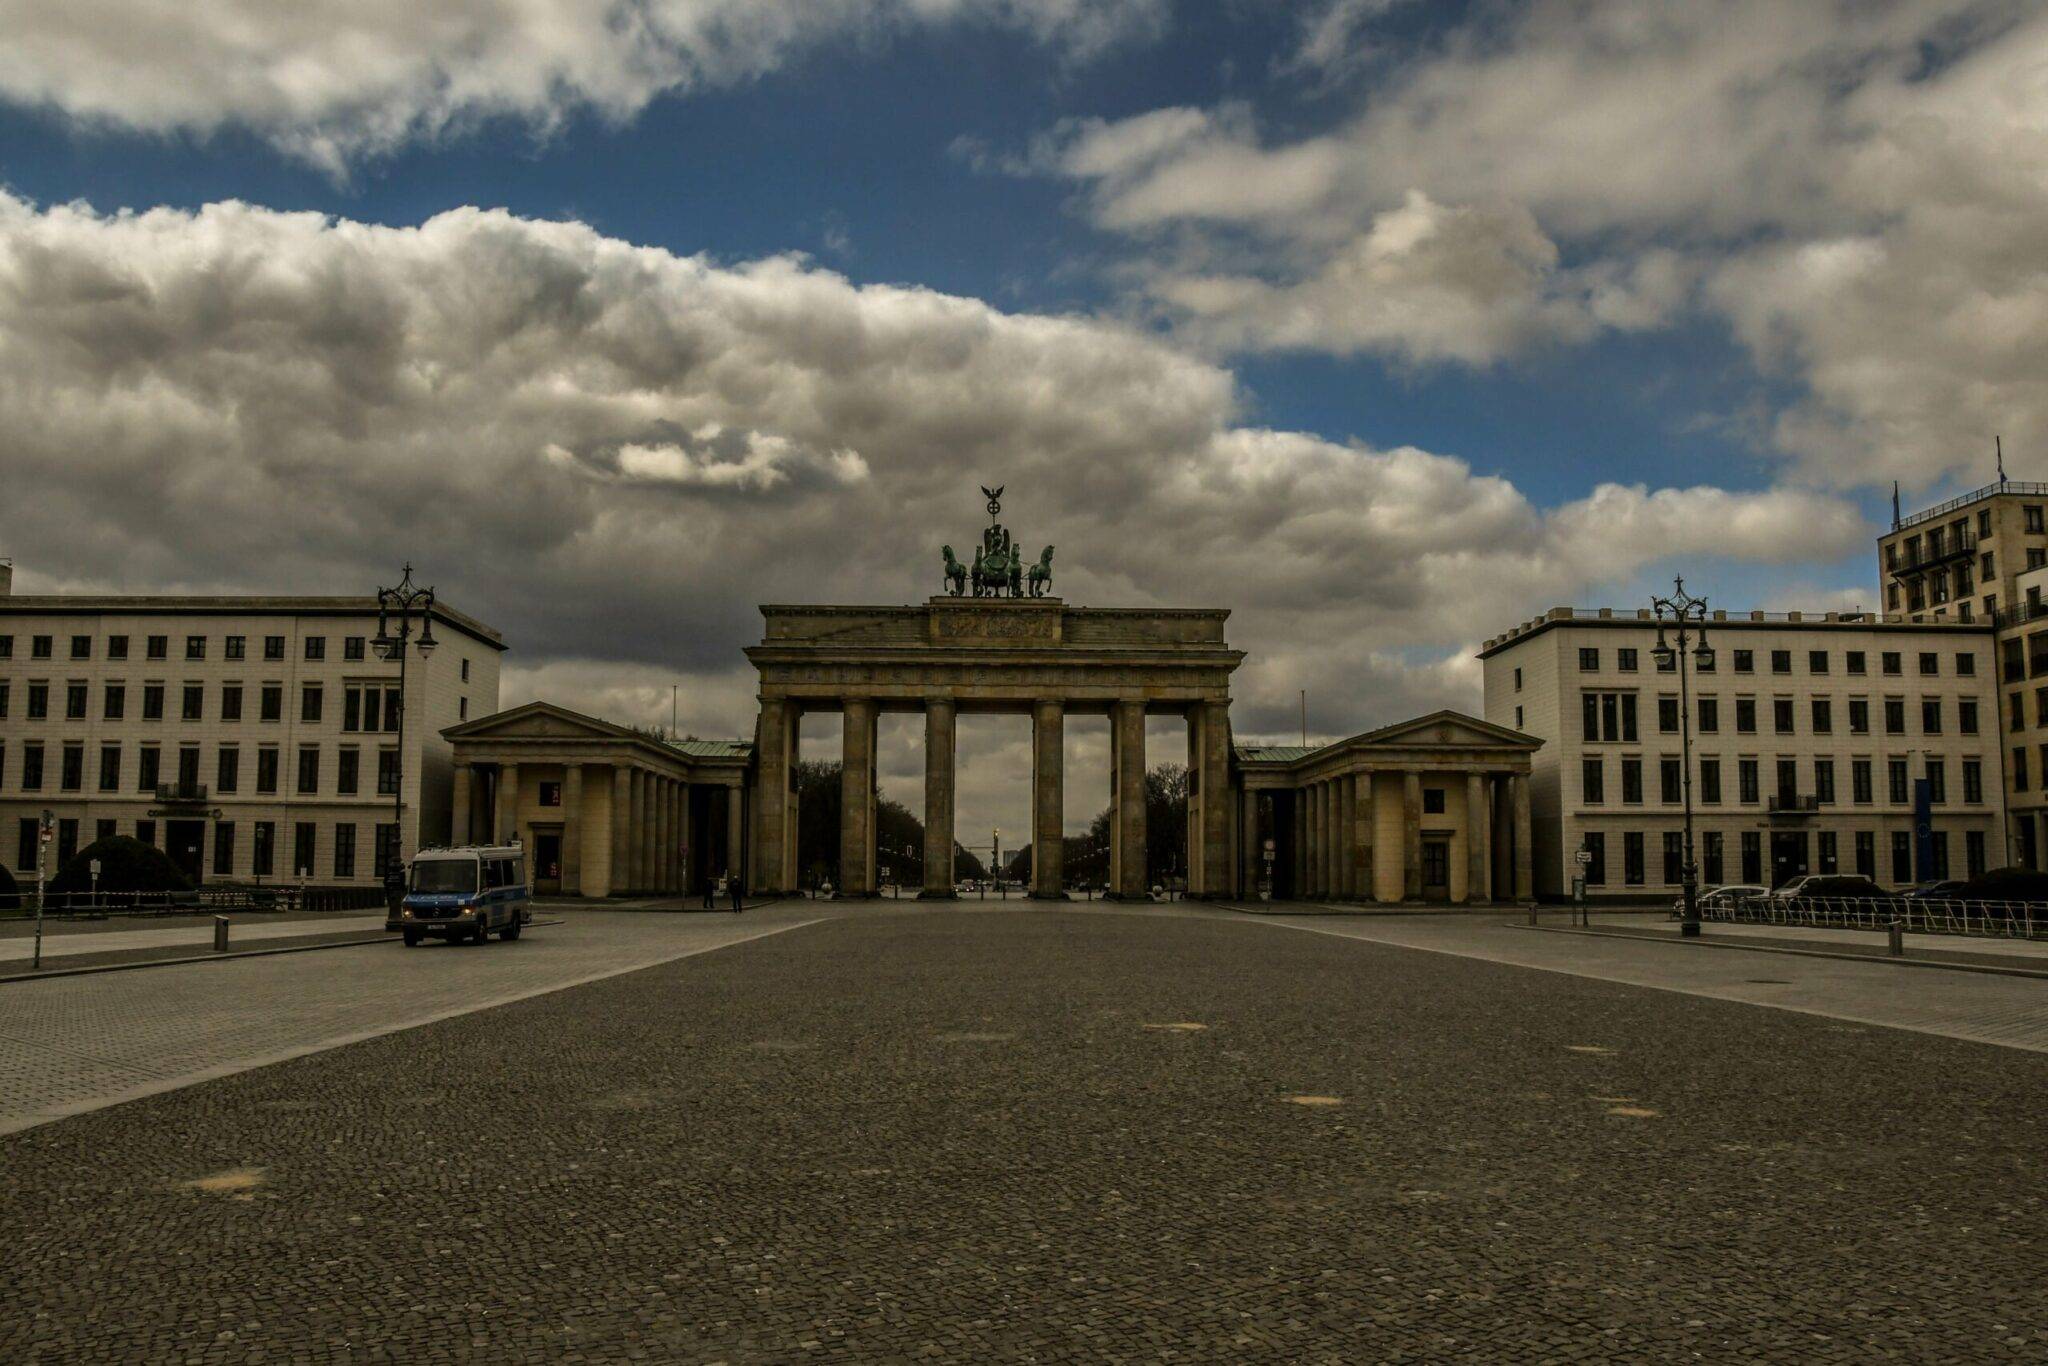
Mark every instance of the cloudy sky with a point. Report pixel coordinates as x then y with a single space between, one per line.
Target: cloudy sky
1382 323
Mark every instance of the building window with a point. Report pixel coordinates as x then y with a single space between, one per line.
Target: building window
344 850
309 704
1632 781
1817 661
1781 661
1781 715
273 647
25 848
264 848
3 698
1937 782
1896 781
2019 712
1589 659
81 647
117 647
231 702
1710 785
1930 715
38 701
1674 857
1902 858
316 647
1624 660
1895 716
1824 782
113 702
1745 661
71 773
74 701
1788 783
195 647
149 761
1747 786
345 771
1860 790
235 647
6 647
266 769
145 831
550 794
1432 801
1854 663
462 712
1823 716
1890 661
1973 853
1632 858
2019 768
40 647
1830 861
309 769
465 675
387 773
1710 716
188 768
386 853
1966 716
271 702
1966 666
227 772
1752 857
2033 516
1518 713
152 701
1710 858
192 705
351 649
304 836
110 768
1930 663
1593 781
1609 716
1667 715
1866 854
1973 782
1596 860
223 848
1670 778
1745 716
156 647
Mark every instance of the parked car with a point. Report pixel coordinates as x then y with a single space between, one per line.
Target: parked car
1945 889
1713 897
1834 886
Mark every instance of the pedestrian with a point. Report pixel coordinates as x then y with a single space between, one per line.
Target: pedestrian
710 889
739 893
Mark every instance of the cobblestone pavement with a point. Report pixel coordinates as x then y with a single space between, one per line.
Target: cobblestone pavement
78 1043
2012 1011
20 970
240 932
1056 1135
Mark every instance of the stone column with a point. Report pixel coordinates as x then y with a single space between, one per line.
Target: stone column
636 831
505 820
572 830
1312 805
1048 800
1127 744
1326 832
1297 853
1411 836
1362 836
621 822
683 841
735 814
1347 854
940 724
774 844
1478 827
856 799
459 800
1525 848
1251 855
1214 763
665 846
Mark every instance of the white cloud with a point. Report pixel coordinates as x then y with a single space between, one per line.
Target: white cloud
614 453
334 82
1858 187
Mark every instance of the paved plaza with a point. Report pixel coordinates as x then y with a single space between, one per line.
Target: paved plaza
900 1133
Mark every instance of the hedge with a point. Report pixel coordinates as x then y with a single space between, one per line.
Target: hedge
126 865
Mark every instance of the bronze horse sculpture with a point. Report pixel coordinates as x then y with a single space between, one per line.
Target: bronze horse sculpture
1041 575
956 574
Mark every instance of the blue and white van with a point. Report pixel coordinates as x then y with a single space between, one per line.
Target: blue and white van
465 894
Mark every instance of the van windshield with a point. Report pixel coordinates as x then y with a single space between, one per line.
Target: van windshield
444 875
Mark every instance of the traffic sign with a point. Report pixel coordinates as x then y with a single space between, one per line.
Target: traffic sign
1585 858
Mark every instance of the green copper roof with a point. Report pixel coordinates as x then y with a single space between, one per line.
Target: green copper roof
714 749
1273 754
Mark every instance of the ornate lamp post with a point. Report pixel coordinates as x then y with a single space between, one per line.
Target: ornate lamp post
396 609
1688 615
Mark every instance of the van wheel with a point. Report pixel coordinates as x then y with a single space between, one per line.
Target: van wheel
482 933
412 939
511 931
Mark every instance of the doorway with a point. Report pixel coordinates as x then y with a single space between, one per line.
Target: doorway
1788 856
1436 868
547 862
185 842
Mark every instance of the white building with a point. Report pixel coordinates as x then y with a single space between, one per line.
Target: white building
249 737
1810 733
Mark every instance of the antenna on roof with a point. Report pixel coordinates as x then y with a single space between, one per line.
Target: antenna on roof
1895 505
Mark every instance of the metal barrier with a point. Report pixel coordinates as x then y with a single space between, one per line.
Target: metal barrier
1984 919
213 896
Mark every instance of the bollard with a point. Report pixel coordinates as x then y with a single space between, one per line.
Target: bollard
220 934
1898 938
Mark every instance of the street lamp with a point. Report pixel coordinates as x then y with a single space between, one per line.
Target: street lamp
396 608
1686 614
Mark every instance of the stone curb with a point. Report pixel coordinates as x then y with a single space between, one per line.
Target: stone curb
1707 943
50 974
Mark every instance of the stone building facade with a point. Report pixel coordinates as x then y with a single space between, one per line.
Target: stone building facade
249 737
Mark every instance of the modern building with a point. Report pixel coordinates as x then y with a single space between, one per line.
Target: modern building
248 737
1984 557
559 782
1811 737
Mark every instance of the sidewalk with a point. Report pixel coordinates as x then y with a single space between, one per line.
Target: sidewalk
21 949
1962 950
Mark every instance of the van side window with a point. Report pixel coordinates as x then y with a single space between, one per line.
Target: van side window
492 874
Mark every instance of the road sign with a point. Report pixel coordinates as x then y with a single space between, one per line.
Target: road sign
1585 858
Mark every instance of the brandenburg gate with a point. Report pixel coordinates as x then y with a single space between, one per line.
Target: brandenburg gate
1008 647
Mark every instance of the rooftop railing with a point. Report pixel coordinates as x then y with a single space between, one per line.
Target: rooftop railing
1975 495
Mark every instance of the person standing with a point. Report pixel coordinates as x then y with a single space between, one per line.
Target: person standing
739 893
710 890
